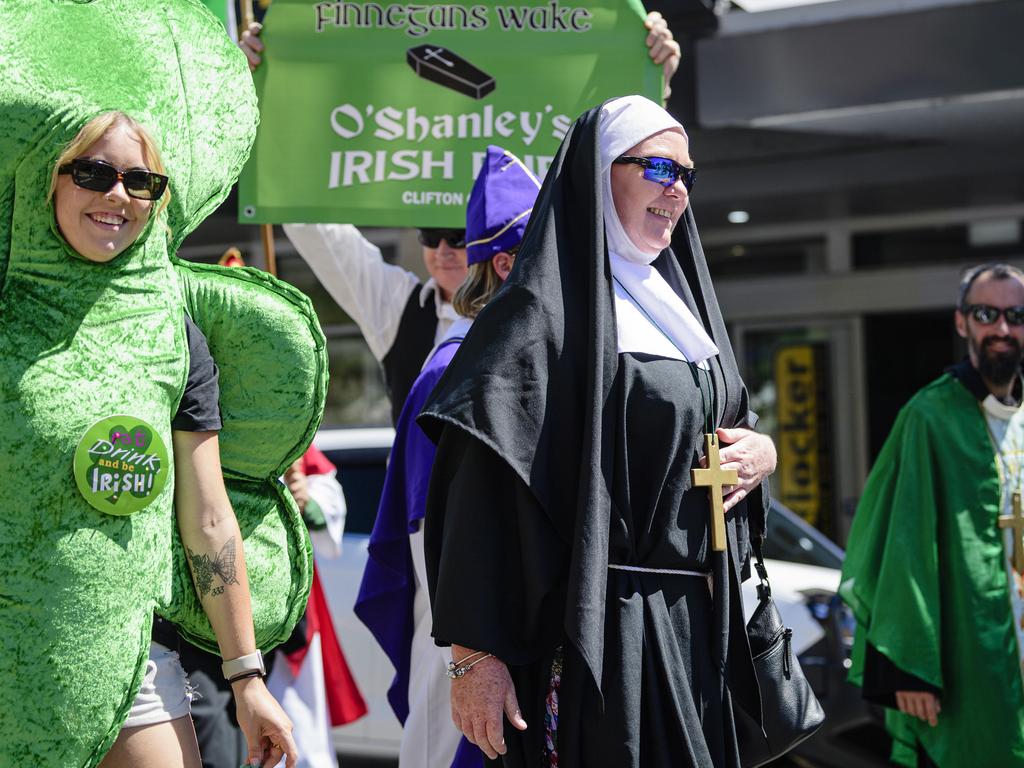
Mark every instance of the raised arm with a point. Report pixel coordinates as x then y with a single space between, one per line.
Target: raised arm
352 269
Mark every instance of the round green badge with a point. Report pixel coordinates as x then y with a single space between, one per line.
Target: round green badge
120 465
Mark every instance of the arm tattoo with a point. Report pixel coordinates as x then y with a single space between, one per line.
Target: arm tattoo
223 565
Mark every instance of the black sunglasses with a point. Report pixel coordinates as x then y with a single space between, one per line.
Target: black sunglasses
662 170
432 238
986 314
100 176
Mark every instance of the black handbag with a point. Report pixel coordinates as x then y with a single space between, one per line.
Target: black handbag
790 711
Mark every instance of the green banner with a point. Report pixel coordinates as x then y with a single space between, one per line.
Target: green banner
224 10
379 114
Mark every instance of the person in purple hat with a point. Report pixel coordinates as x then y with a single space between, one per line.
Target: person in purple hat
393 600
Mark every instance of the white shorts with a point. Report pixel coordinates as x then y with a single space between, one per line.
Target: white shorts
165 694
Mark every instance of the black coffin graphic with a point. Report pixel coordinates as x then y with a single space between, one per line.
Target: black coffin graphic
442 66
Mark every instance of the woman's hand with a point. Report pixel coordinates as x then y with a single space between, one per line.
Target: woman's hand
251 45
478 700
267 729
662 47
751 454
297 483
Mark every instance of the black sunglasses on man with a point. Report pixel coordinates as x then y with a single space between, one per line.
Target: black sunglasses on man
431 238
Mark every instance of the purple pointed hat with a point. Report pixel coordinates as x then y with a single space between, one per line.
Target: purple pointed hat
499 205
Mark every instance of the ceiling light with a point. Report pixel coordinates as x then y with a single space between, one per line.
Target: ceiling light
755 6
738 217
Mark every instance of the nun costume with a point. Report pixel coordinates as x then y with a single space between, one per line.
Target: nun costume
562 533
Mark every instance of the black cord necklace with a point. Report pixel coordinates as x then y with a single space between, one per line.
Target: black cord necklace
713 477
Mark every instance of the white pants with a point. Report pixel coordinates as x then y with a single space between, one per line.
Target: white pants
430 738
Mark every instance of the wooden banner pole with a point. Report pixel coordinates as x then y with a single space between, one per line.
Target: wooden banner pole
266 230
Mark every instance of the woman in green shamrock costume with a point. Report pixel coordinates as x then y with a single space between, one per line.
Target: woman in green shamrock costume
112 482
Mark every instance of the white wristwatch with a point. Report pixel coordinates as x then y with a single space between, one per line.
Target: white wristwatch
235 668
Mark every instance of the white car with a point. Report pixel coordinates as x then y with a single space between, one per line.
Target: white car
802 567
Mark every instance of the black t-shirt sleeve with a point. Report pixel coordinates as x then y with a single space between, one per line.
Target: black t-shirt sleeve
199 410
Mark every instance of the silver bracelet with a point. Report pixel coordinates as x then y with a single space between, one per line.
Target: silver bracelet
458 669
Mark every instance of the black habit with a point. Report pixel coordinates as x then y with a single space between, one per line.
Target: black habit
558 456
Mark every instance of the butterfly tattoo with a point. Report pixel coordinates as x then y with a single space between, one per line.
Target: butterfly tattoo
223 565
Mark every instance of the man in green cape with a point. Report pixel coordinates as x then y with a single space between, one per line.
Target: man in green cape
934 567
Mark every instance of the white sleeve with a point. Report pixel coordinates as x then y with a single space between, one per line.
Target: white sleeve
351 268
326 491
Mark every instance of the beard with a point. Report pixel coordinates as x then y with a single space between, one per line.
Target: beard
998 367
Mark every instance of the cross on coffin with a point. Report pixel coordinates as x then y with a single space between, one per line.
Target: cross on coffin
1015 523
714 477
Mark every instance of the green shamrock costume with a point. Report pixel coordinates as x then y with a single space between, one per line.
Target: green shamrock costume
94 363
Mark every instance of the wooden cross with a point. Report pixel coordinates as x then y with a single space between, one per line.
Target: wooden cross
1015 523
714 477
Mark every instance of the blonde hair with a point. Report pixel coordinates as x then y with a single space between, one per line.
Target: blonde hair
477 289
93 131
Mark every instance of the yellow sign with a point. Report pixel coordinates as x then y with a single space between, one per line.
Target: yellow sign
800 472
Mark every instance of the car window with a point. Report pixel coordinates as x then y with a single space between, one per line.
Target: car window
361 474
793 540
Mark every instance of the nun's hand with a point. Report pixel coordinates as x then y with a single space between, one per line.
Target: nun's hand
662 47
751 454
479 698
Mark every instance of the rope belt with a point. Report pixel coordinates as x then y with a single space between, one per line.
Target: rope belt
667 571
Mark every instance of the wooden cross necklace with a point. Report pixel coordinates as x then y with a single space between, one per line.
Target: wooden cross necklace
1015 520
713 477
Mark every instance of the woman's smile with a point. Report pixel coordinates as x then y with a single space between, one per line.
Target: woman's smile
107 221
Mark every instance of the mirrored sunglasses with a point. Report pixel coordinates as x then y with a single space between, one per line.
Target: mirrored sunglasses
986 314
100 176
662 170
432 238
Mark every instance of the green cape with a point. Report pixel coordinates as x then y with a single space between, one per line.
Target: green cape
924 575
84 341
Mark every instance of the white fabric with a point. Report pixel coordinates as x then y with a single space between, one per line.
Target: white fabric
326 491
624 123
429 738
457 330
165 694
371 291
998 409
304 700
677 334
1006 424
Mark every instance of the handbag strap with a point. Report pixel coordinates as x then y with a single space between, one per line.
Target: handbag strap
764 589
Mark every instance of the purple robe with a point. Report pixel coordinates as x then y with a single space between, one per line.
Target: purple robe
388 588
